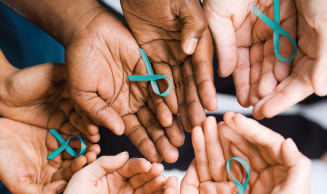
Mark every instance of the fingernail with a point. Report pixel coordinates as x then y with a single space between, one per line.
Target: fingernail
122 153
61 188
150 165
191 45
291 145
322 85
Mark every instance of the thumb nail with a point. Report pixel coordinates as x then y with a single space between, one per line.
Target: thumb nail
61 188
291 145
191 45
123 153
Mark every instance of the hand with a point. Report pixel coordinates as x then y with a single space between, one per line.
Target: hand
245 46
169 31
309 69
118 174
207 172
276 164
24 167
38 96
99 58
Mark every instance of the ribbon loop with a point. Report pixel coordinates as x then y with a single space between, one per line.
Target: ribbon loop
241 188
275 25
151 77
65 146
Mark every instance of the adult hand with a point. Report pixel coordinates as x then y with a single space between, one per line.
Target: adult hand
276 164
118 174
24 167
39 96
169 31
99 58
309 68
245 46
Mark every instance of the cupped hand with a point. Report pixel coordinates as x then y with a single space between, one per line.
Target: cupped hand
99 58
169 31
276 164
244 45
118 174
24 167
38 96
308 73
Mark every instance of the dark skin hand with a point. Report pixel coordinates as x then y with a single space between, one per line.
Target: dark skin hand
38 96
170 31
24 167
103 54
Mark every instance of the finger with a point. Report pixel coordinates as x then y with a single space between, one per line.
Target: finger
194 24
201 156
203 72
105 164
267 81
140 138
259 135
299 175
318 76
223 33
191 182
75 166
158 135
214 150
157 184
141 179
256 61
172 185
91 152
175 132
241 77
99 111
135 166
196 112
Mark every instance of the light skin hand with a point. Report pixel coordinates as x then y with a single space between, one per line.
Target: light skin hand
168 36
276 164
118 174
24 167
309 70
245 46
38 96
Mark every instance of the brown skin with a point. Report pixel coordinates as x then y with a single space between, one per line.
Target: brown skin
100 53
24 167
169 31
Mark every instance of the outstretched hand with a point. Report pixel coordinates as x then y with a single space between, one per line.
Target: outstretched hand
24 167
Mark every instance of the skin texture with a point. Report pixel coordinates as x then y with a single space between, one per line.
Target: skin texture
308 73
245 46
38 96
118 174
170 31
276 164
24 167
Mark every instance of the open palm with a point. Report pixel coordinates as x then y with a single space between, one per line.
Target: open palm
24 165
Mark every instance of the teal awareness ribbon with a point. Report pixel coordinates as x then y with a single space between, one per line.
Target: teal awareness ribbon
65 146
241 188
275 25
151 77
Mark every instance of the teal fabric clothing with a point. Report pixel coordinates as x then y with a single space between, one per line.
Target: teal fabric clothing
24 45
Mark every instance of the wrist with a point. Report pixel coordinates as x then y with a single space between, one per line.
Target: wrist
6 70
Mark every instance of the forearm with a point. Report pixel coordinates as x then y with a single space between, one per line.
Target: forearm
61 19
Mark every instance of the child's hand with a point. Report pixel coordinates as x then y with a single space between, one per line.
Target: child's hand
245 46
24 167
169 31
276 164
118 174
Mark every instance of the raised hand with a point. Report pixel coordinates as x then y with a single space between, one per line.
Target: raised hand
276 164
39 96
118 174
99 58
245 46
169 31
24 167
309 69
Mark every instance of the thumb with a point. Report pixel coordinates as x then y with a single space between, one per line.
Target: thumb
105 164
298 179
51 188
194 24
172 185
